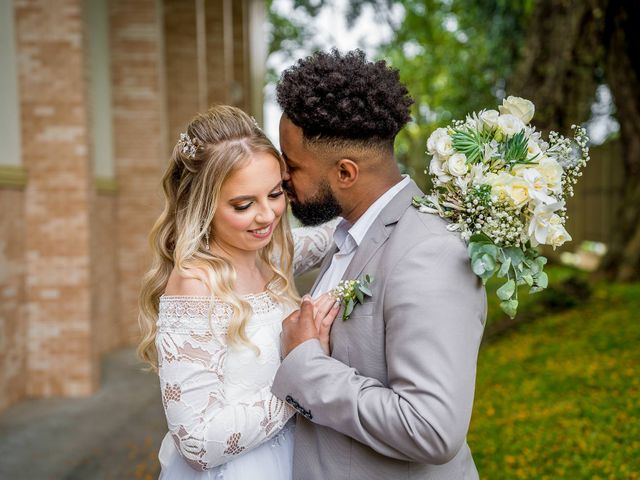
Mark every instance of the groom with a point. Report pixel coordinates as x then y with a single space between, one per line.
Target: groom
394 398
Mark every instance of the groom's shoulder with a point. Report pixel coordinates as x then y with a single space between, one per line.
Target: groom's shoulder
426 230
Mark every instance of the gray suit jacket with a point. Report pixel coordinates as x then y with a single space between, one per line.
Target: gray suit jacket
394 399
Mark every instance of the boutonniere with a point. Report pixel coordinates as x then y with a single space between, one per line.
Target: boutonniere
351 292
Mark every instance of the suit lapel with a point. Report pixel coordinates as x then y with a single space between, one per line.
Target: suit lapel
324 266
380 230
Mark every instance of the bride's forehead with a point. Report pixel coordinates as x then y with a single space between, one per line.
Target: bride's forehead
260 172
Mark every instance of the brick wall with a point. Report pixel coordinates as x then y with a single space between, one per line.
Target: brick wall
71 258
13 326
106 329
139 135
53 105
181 61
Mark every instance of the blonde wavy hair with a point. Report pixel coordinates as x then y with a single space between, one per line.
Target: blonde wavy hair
225 138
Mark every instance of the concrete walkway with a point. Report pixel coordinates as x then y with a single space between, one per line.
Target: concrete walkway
114 434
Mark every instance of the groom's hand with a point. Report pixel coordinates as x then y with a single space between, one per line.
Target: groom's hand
298 327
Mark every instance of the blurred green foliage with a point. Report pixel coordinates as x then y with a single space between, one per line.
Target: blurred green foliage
559 397
455 57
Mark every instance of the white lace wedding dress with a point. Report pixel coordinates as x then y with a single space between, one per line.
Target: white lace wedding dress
223 421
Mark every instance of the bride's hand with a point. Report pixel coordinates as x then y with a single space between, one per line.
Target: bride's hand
325 309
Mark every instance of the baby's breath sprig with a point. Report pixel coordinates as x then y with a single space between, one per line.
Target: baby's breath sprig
351 292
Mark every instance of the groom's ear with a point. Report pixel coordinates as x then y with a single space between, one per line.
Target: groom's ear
348 172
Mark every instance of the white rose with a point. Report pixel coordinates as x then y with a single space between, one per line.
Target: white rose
557 235
520 107
551 170
499 186
434 137
457 164
510 124
489 118
438 167
444 146
517 191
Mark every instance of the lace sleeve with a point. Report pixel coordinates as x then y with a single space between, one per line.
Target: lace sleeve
311 244
208 430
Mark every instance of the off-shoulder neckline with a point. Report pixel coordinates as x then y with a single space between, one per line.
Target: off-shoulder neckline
246 296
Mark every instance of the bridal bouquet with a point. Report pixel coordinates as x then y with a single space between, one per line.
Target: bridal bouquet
503 188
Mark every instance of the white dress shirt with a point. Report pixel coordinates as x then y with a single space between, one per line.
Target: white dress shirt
348 237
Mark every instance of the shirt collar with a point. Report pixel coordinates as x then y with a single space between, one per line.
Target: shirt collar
348 236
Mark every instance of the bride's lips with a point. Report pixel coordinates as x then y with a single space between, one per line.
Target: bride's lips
263 232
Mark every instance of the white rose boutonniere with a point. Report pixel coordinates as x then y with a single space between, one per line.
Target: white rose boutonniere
351 292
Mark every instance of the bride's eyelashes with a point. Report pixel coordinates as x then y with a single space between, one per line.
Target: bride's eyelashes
243 207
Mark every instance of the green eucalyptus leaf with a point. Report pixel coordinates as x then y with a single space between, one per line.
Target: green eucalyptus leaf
507 290
474 248
510 307
542 280
515 254
534 268
359 295
489 262
489 249
541 261
480 238
478 267
504 268
366 290
348 309
528 279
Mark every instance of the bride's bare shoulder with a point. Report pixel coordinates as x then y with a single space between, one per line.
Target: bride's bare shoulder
186 283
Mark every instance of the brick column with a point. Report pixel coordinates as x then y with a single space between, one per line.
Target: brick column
181 57
55 146
139 136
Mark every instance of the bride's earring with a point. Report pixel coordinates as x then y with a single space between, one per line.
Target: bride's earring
206 239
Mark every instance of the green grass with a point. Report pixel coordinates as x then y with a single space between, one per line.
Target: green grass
558 397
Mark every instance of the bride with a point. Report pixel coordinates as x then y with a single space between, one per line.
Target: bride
212 303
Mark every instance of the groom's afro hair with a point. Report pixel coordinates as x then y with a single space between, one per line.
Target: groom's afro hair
333 96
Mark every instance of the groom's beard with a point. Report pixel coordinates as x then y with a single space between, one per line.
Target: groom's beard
321 208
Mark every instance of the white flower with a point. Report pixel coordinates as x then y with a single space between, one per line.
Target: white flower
533 149
490 150
520 107
434 137
541 221
457 164
556 234
510 124
489 118
437 167
536 183
477 174
552 172
517 191
444 146
425 209
509 188
462 183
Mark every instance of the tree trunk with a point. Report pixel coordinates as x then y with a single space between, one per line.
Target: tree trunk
571 47
623 77
558 65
